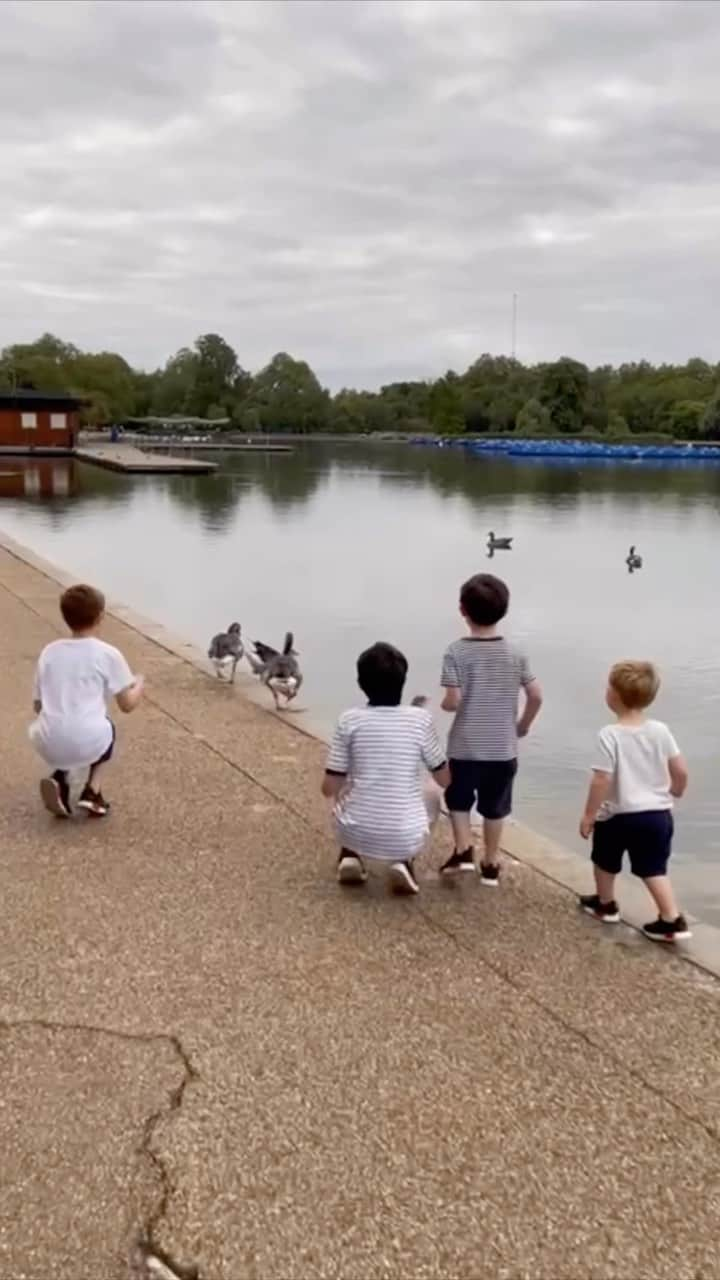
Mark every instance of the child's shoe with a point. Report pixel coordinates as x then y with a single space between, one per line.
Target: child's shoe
94 803
609 912
459 861
403 879
668 930
55 792
350 868
490 874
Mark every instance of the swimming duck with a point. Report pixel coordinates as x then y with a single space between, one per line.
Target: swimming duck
633 561
279 671
499 544
226 650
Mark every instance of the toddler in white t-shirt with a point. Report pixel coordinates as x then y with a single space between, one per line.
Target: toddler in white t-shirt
74 679
637 773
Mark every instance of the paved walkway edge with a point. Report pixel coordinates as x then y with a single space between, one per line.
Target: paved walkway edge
544 855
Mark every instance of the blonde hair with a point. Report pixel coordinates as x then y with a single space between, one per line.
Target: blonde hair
635 683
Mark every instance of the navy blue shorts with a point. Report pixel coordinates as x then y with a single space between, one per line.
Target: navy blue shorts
485 783
645 837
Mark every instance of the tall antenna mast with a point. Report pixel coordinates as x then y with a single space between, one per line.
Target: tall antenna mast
514 324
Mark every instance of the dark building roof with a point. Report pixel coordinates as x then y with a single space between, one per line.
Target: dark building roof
26 398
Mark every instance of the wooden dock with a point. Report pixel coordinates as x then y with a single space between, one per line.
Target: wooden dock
129 459
209 446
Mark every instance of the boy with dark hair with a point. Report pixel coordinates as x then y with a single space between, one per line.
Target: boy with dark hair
483 675
638 771
375 770
74 678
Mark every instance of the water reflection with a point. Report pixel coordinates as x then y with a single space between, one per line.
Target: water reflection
40 479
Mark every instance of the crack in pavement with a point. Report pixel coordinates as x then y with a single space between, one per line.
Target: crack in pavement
145 1249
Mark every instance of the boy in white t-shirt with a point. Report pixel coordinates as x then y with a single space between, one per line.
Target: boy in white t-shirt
74 679
376 770
638 771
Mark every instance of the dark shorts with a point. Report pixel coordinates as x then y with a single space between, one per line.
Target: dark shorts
108 754
487 783
645 837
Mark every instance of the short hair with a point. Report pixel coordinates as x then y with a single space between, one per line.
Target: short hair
484 599
635 683
82 607
381 672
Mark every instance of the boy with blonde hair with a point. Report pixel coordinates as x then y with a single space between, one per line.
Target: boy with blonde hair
638 771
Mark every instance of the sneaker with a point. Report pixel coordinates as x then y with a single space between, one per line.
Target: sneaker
402 878
457 862
350 869
607 911
667 930
94 803
490 874
55 794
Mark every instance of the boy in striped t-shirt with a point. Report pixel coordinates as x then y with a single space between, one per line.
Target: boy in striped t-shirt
483 676
375 771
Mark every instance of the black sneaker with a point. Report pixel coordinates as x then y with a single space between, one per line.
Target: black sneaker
402 878
667 930
458 862
350 869
94 803
490 874
55 793
609 912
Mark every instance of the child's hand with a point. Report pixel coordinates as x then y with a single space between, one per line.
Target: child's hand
586 827
522 729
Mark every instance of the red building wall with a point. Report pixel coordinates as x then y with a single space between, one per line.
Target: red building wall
41 436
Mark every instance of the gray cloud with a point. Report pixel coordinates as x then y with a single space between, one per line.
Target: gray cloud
364 184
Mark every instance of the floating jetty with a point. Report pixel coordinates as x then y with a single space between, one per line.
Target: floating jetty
128 458
569 448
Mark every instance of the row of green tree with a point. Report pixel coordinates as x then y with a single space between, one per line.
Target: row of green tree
495 394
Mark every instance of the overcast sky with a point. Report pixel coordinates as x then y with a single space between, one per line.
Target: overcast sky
363 185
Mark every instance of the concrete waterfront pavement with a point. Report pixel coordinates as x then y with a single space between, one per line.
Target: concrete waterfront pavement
207 1047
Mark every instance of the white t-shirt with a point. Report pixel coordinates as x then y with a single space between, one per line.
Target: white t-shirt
637 757
384 752
73 681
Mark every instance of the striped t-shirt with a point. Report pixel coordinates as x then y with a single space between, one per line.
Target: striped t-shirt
383 750
489 672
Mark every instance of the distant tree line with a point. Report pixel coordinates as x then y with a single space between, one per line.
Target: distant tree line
495 394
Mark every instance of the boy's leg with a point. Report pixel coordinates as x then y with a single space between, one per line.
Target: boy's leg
494 780
608 847
650 850
91 798
460 798
662 894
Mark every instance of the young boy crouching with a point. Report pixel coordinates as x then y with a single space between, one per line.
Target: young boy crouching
375 773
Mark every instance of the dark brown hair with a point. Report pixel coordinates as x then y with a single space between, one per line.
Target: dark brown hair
82 607
484 599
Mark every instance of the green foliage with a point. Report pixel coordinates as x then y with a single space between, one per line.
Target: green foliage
710 425
533 419
286 396
495 394
564 387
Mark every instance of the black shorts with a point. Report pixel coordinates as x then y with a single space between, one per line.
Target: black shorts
487 783
108 754
645 837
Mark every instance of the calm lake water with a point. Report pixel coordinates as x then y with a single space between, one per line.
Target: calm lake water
347 544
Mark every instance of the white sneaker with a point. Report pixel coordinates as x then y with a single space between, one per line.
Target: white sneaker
402 878
350 869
